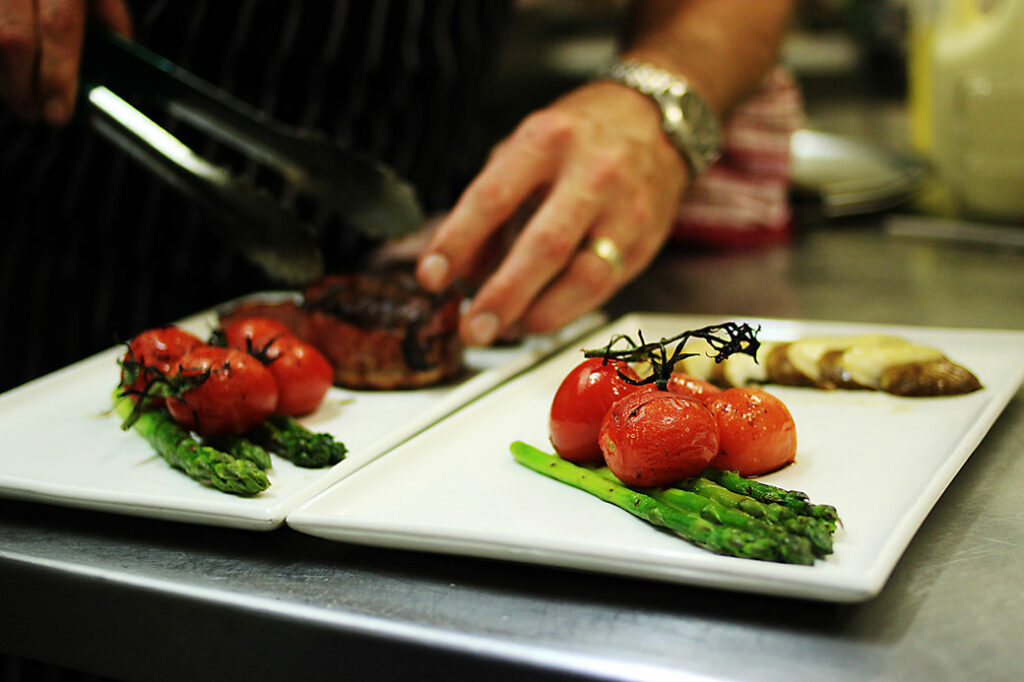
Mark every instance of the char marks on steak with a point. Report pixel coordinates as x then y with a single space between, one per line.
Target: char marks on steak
380 330
384 330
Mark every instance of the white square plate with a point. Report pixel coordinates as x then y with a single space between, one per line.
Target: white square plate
62 444
883 461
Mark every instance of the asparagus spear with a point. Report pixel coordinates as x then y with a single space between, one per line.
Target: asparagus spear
818 531
290 439
705 487
762 492
242 448
793 547
689 525
177 446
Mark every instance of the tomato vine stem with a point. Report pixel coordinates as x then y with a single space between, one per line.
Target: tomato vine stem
728 338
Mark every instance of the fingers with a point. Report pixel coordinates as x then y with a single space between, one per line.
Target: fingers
605 171
40 54
543 249
618 245
599 227
592 276
61 30
571 258
18 48
588 282
516 169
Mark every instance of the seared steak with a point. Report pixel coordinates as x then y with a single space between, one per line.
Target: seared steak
379 330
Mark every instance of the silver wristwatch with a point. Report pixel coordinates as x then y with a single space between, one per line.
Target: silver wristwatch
685 116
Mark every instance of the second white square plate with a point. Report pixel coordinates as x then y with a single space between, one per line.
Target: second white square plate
883 461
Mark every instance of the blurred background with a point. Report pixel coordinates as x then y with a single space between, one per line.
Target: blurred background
911 104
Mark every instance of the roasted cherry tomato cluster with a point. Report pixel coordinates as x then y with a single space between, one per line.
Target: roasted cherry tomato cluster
303 374
261 369
649 437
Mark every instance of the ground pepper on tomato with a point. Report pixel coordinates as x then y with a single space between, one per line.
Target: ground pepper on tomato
228 392
652 438
757 433
580 404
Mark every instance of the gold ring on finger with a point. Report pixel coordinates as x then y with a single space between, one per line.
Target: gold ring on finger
608 251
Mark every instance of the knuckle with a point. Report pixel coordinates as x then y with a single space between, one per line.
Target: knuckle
605 171
555 244
546 128
582 208
61 20
493 197
639 211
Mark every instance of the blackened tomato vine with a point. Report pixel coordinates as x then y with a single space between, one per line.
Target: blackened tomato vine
728 338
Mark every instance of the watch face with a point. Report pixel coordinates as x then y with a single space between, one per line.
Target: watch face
703 129
692 110
701 123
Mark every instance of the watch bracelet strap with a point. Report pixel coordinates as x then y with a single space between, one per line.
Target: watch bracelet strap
648 79
653 81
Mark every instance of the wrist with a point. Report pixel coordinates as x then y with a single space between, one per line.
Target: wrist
686 118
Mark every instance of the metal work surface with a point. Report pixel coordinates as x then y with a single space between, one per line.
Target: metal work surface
138 599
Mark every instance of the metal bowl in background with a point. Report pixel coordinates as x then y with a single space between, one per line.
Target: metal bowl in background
843 176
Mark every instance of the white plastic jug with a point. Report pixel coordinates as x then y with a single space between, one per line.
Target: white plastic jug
966 65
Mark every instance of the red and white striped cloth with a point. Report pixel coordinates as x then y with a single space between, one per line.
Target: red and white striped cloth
743 198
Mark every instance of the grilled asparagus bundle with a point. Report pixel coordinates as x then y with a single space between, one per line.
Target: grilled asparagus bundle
206 464
727 517
231 464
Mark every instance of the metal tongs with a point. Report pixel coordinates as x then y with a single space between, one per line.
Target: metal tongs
364 195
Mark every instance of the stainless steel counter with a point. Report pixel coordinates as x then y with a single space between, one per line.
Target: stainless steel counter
139 599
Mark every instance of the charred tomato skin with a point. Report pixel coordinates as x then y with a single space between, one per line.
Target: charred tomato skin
154 354
302 373
756 431
652 438
237 394
692 387
581 403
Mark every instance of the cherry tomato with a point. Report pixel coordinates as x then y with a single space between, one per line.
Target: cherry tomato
581 402
655 437
302 373
254 333
153 354
238 392
692 387
756 431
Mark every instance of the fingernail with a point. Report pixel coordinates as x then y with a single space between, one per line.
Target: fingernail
54 111
482 328
433 271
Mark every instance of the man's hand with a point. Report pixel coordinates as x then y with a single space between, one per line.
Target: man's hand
605 172
41 49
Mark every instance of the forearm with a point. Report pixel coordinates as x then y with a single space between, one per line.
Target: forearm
723 47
